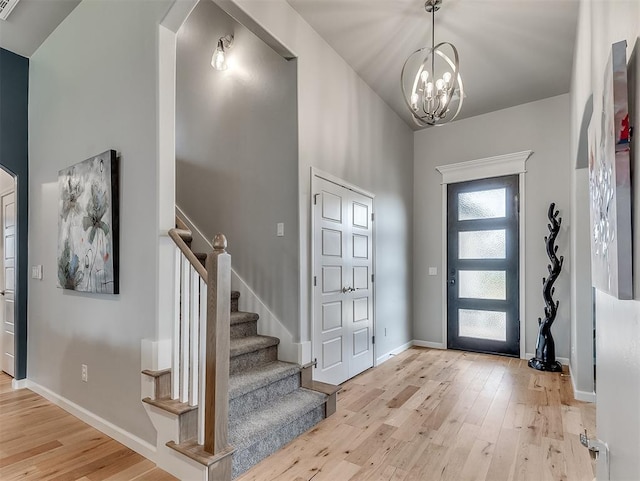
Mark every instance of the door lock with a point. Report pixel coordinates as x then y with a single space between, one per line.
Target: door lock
347 289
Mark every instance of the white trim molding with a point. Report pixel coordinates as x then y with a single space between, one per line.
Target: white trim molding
585 396
497 166
507 164
124 437
429 344
393 352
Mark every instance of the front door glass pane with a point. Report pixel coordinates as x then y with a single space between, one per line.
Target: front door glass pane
482 324
482 244
483 285
482 204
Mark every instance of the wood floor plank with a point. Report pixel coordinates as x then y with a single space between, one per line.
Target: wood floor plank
41 442
444 415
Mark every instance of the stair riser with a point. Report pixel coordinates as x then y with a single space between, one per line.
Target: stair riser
248 361
252 455
244 329
254 400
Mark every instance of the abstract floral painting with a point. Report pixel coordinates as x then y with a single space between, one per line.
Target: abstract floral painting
610 181
88 225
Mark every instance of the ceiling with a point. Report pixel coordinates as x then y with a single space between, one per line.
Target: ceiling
31 22
511 51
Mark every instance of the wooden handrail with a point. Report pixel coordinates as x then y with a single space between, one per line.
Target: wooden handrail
188 253
217 356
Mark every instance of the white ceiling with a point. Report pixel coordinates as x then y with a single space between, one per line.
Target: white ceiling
511 51
31 22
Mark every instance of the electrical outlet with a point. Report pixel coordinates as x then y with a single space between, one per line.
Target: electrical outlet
433 271
85 373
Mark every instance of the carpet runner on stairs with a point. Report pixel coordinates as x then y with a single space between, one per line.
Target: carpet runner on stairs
268 407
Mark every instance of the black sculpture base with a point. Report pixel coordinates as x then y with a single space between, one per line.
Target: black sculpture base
545 366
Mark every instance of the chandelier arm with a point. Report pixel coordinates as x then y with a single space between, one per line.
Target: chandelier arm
433 41
429 101
457 80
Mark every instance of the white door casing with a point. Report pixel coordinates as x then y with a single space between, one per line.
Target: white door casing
343 321
500 165
8 203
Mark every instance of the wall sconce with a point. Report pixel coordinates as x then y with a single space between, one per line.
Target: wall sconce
219 60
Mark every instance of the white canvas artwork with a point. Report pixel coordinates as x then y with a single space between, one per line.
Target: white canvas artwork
88 225
610 181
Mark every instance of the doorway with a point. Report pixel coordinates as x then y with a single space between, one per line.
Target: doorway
343 274
8 277
483 292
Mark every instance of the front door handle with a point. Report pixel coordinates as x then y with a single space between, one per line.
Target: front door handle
452 281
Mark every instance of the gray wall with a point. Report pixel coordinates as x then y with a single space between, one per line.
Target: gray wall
93 87
236 152
526 127
346 130
14 88
617 322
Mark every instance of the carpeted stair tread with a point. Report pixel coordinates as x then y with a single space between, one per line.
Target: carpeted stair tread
244 345
238 317
272 417
259 377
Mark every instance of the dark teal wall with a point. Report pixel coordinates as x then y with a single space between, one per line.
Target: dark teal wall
14 150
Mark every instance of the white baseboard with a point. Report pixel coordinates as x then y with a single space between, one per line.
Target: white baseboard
429 344
562 360
18 383
393 352
131 441
585 396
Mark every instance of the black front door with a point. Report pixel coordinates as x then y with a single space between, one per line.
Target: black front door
482 266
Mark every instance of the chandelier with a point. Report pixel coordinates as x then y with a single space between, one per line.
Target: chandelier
431 81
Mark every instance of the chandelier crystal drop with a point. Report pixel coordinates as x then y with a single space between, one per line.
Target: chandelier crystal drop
431 81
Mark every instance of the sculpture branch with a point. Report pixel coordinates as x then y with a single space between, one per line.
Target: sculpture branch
545 359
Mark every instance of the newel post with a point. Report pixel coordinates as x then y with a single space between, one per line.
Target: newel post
216 420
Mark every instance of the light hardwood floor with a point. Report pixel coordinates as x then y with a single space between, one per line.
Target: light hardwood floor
444 415
423 415
40 441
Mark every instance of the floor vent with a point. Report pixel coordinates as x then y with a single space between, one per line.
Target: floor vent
5 8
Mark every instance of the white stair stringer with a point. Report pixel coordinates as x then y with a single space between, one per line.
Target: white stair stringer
167 428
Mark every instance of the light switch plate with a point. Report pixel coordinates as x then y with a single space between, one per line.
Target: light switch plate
36 272
433 271
280 229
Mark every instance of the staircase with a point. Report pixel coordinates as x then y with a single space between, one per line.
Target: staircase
270 402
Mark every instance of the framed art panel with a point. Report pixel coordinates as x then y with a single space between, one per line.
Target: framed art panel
610 181
88 233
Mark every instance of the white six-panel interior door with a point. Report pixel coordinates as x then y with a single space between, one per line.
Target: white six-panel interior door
8 203
343 325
